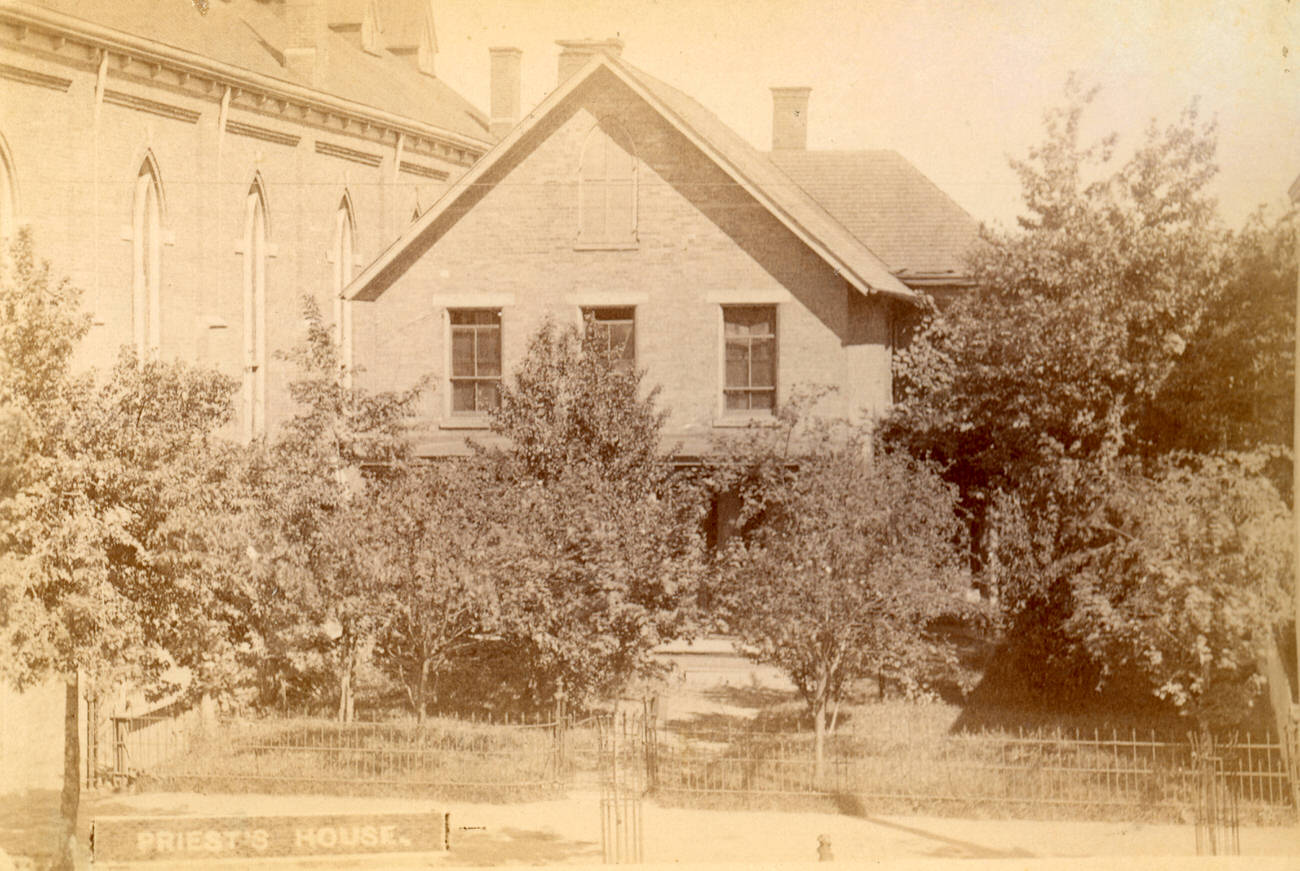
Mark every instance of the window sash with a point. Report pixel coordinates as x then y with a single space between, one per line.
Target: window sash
475 361
749 362
615 331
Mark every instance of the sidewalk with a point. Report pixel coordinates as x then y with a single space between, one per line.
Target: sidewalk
567 832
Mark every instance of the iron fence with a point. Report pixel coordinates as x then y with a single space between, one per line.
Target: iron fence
1102 776
490 758
1076 774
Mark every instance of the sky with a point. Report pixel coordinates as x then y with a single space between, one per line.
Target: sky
957 87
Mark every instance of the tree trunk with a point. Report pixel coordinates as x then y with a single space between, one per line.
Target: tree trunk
345 686
420 691
819 742
71 798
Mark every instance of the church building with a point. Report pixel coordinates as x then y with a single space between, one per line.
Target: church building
195 167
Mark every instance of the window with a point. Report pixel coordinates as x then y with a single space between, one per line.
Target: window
607 188
750 335
8 194
146 261
342 258
255 251
475 360
614 330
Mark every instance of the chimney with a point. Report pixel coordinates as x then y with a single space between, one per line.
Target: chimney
505 90
303 46
575 53
790 118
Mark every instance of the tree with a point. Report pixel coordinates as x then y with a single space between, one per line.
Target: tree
592 579
1173 577
573 405
85 584
1120 323
846 563
1077 320
1233 388
600 553
313 563
429 532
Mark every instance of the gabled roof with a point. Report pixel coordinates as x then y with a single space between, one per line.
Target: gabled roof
251 36
748 167
889 205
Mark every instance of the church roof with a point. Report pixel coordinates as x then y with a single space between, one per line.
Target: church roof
251 35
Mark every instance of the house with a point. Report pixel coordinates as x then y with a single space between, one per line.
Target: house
195 167
733 276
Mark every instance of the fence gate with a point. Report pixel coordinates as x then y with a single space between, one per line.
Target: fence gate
1217 815
626 763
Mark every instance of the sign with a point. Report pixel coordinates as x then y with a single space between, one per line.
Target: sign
175 839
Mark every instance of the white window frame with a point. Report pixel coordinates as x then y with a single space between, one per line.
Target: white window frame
452 419
741 417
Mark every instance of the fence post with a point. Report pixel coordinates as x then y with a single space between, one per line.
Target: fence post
119 751
92 742
561 727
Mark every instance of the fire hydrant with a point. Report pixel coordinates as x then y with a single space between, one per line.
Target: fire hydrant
824 853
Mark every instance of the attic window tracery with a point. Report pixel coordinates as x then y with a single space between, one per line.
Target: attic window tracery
607 188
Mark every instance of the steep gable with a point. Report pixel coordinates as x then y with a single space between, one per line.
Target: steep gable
749 170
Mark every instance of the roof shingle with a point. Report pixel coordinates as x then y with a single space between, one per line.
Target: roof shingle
889 205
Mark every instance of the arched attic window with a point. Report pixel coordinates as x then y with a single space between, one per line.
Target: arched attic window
342 255
8 193
146 260
607 188
255 243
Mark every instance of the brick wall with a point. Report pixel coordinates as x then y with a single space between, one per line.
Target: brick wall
75 172
702 241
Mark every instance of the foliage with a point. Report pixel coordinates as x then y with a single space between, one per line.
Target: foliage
1233 389
429 533
600 554
323 611
847 561
1119 324
1078 319
1174 576
99 589
572 406
40 326
592 579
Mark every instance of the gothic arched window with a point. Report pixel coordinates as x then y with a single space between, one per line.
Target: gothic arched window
255 254
8 193
146 260
342 255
